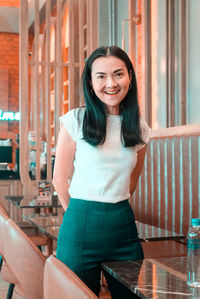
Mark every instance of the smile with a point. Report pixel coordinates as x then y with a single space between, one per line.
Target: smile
111 92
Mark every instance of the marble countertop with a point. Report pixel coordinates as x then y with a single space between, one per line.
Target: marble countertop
164 278
150 233
18 201
145 232
48 225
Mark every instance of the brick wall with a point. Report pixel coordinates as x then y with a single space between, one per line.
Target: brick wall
9 64
14 3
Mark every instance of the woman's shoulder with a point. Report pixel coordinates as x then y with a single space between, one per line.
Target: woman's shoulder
73 115
72 121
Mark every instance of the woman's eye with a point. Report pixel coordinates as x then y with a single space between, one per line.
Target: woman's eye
100 77
118 75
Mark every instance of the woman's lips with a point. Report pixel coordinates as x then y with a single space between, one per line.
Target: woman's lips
112 92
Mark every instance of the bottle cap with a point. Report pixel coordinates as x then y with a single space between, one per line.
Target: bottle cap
196 221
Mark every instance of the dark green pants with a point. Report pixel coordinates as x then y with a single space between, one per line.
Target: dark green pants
93 232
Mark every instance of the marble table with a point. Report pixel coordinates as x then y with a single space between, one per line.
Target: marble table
145 232
48 224
162 278
18 202
148 233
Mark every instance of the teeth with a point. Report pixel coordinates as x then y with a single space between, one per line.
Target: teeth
111 92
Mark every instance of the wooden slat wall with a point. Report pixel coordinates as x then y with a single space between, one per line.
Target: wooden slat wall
47 87
168 191
40 90
46 74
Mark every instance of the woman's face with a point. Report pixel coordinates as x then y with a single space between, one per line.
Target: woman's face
110 81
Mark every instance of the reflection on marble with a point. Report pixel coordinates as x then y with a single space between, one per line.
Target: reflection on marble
43 220
47 224
18 200
154 278
148 232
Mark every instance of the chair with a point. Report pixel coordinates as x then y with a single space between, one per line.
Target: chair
6 273
38 239
60 282
22 260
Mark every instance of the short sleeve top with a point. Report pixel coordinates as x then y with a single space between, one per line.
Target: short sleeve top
102 173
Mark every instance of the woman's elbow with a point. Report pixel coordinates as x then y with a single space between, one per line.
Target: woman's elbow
59 182
54 182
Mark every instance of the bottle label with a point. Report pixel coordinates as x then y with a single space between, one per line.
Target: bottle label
193 244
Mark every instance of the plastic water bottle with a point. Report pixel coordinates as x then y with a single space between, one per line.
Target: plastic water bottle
193 254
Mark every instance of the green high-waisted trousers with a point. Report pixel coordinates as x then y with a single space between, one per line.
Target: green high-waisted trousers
93 232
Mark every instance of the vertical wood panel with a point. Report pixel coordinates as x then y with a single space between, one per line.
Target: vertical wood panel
170 182
71 56
29 186
81 36
183 35
132 46
178 185
48 88
36 87
94 24
171 63
185 200
58 72
146 62
156 186
148 182
88 18
163 202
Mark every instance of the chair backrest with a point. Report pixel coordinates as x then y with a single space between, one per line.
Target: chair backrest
6 273
3 219
60 282
3 210
25 261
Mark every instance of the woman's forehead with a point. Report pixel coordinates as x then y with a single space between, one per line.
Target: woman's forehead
108 64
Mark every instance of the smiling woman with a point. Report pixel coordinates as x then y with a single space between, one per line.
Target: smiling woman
99 157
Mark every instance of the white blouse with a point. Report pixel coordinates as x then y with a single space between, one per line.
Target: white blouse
102 173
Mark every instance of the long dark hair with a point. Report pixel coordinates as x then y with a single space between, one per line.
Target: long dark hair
95 118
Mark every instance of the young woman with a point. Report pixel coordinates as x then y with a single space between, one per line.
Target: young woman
99 157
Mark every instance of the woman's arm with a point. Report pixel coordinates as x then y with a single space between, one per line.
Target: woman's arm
137 170
63 167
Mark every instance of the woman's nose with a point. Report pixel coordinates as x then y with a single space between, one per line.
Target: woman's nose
110 82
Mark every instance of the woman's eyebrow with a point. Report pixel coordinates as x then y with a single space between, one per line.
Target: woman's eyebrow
102 73
97 73
118 70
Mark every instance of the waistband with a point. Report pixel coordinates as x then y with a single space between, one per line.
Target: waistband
76 202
